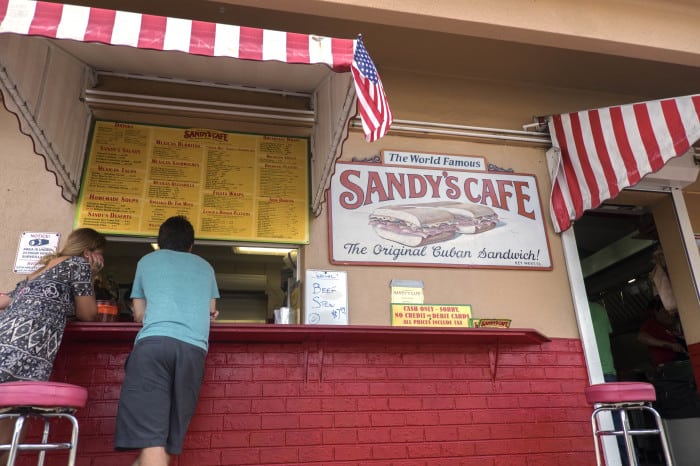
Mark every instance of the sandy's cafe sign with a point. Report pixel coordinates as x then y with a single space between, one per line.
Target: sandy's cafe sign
418 209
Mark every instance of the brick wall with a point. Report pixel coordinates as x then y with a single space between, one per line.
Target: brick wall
359 404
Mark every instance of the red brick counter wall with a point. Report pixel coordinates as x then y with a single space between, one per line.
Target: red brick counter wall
325 403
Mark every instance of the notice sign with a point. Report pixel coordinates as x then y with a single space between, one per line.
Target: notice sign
230 186
418 216
431 315
326 297
32 247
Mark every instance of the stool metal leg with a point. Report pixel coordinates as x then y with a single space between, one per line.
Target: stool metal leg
12 456
662 434
44 441
594 425
629 441
16 446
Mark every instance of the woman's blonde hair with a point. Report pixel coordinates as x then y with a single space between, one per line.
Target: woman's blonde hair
79 241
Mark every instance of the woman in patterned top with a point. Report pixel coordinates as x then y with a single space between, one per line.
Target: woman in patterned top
33 316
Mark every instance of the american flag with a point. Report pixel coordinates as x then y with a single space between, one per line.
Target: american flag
374 108
608 149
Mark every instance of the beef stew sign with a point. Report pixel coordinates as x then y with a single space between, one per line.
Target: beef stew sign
418 216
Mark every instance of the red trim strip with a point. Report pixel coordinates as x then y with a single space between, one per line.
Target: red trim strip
152 34
251 44
646 132
100 25
603 154
674 123
298 48
46 19
202 38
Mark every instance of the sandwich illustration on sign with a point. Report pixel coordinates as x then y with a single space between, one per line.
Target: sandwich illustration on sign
432 222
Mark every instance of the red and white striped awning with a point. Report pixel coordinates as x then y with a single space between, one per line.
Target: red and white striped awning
605 150
85 24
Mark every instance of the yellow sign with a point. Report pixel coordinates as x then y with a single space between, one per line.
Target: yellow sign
230 186
431 315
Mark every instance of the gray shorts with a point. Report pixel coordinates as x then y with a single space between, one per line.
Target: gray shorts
159 394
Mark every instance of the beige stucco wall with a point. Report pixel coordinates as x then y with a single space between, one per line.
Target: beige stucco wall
31 200
532 299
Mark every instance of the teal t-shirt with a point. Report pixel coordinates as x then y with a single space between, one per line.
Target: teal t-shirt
178 288
602 329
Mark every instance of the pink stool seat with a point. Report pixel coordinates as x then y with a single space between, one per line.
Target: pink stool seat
620 392
42 395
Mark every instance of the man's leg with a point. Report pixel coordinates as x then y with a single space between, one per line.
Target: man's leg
152 456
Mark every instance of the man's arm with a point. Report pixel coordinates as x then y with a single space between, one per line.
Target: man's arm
139 309
213 313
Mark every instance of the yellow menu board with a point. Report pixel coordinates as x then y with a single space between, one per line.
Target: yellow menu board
231 186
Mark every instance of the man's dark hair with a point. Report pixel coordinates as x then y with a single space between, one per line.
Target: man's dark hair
176 233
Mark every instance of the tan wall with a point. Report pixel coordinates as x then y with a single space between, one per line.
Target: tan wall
532 299
31 201
600 26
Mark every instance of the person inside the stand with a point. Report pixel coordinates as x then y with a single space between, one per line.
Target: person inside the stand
33 316
662 335
174 294
603 330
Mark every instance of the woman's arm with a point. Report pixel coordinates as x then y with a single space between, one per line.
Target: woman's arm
4 301
85 307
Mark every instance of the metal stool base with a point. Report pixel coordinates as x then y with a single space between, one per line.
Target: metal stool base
627 432
23 414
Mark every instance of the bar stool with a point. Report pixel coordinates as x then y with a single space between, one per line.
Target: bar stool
622 397
46 401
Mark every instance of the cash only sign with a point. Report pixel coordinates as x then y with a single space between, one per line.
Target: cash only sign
435 210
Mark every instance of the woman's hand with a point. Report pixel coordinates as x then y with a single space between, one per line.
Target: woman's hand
95 260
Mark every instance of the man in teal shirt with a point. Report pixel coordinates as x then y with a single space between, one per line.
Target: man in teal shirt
174 295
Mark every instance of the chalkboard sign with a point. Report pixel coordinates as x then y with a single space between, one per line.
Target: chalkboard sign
326 297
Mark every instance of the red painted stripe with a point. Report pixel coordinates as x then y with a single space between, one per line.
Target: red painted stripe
3 9
646 131
623 146
696 104
202 38
674 123
251 44
152 35
298 48
568 170
46 18
603 154
584 161
343 51
100 26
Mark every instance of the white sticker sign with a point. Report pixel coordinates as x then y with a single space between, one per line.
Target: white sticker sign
32 247
326 297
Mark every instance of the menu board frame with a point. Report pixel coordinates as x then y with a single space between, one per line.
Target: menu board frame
232 186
